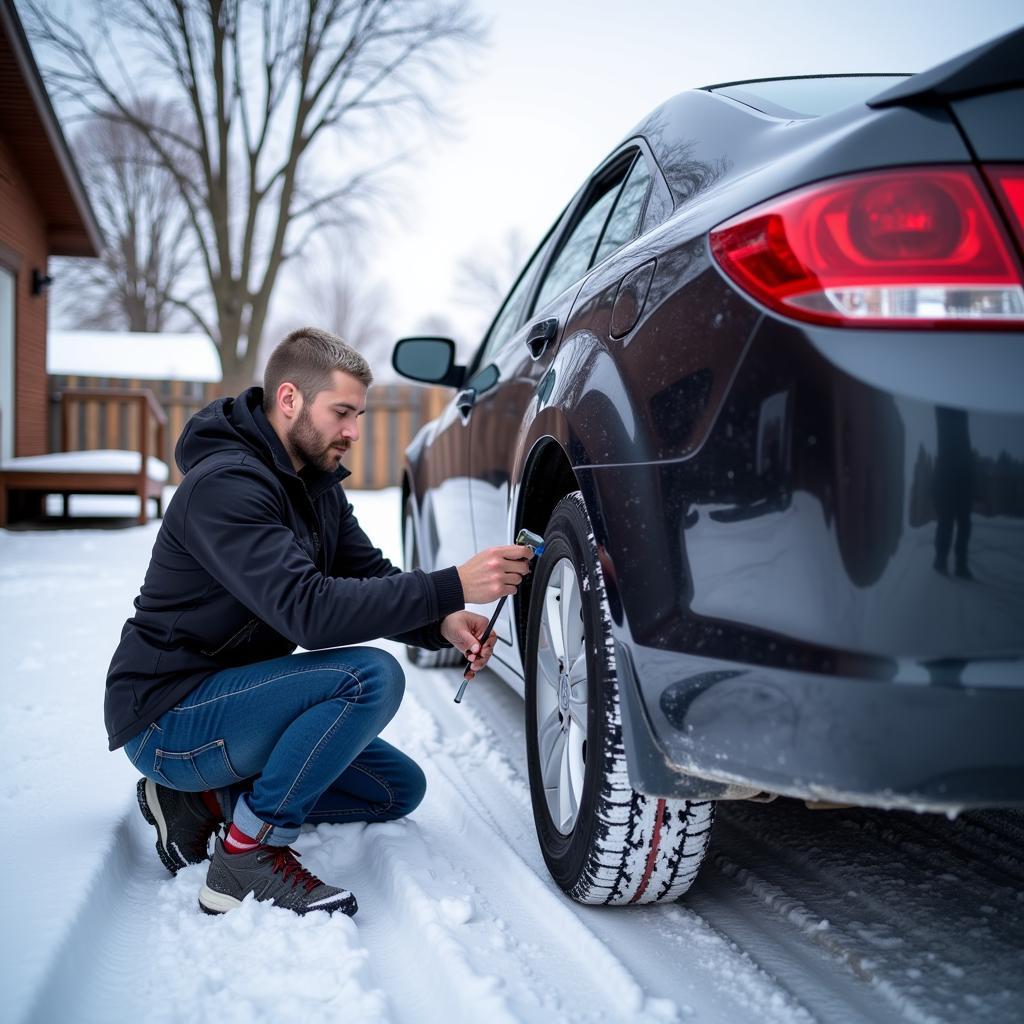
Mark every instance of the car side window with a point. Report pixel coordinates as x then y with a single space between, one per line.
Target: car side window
511 313
622 224
574 257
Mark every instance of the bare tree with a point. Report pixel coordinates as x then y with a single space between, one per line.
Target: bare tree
353 309
435 325
149 246
264 83
337 295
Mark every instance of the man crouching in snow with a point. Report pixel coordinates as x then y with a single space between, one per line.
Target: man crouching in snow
260 551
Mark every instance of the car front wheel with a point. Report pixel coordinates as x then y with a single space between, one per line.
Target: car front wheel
602 841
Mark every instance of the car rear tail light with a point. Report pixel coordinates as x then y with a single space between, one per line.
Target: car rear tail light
916 247
1008 185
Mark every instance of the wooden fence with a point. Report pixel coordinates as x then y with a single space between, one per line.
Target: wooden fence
97 423
394 413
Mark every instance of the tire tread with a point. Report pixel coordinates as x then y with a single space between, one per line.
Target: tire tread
627 818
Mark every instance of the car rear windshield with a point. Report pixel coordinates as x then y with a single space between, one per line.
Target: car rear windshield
807 97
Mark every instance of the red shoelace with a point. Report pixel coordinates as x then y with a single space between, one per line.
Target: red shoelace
286 860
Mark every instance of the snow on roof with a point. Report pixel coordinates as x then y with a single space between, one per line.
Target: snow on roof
132 355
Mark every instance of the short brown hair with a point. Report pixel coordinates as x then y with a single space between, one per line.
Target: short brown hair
308 358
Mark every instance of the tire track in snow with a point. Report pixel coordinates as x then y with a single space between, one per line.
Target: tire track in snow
429 920
814 900
713 978
107 920
412 911
141 944
459 919
1001 833
929 946
961 845
561 958
811 958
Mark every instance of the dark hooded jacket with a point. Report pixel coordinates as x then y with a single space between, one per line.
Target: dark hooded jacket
251 560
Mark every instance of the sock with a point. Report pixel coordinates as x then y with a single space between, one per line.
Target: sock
237 841
210 802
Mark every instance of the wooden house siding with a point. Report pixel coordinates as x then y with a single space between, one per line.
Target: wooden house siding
23 247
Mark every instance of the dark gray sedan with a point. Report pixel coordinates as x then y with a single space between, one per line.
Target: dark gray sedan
761 388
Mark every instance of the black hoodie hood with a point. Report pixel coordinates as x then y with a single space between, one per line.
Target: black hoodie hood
239 424
227 424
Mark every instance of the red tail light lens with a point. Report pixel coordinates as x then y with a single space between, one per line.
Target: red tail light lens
1008 184
906 248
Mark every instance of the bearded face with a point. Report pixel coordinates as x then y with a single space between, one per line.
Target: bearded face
324 450
326 426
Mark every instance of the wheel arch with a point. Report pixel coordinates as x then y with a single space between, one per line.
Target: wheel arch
547 477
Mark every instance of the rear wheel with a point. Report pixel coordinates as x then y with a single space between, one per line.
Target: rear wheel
417 655
602 841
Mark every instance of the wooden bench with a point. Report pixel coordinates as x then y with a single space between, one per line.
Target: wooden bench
95 472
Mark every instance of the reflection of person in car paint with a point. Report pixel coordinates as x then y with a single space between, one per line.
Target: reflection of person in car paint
953 490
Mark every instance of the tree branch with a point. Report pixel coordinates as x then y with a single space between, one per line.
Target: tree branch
293 70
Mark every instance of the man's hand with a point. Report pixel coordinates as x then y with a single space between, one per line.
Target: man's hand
463 630
494 573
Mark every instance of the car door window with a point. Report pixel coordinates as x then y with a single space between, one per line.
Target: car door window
511 314
622 224
574 257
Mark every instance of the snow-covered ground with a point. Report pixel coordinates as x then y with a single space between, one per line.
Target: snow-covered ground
797 916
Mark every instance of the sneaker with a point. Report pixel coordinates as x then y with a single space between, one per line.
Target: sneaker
272 874
182 822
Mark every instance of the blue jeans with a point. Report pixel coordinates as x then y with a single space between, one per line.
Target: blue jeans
288 741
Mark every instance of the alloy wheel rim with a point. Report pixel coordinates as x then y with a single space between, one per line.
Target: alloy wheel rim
561 696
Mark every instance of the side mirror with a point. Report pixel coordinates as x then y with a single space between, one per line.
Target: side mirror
428 360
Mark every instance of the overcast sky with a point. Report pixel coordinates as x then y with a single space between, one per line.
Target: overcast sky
561 83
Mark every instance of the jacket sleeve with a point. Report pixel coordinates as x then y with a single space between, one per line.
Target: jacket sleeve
235 529
356 556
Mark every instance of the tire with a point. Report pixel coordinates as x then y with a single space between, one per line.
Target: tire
611 844
447 656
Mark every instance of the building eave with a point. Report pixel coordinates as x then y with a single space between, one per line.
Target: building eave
25 120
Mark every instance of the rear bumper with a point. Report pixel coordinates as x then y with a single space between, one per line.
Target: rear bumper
694 726
781 621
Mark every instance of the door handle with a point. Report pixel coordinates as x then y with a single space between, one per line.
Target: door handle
465 400
542 333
